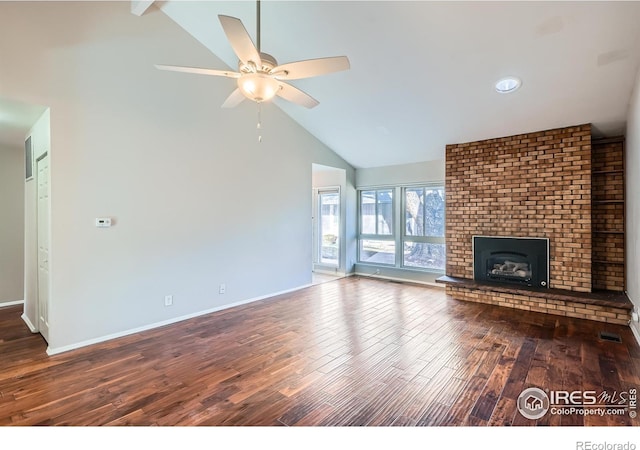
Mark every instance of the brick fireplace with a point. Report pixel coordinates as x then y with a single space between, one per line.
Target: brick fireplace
534 185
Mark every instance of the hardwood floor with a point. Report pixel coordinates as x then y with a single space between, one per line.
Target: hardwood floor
350 352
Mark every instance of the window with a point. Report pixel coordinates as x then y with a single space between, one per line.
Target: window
329 227
423 239
376 212
377 251
410 235
377 243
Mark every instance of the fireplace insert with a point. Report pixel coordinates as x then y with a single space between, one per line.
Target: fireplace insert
512 260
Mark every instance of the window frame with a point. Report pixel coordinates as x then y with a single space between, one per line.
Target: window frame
419 239
318 244
393 219
377 237
398 228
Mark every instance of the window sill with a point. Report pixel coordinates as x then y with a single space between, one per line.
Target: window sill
407 269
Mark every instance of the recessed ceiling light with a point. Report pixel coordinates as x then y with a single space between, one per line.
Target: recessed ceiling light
508 84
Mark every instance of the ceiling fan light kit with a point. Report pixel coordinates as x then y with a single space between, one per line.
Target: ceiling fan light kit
257 83
260 79
258 87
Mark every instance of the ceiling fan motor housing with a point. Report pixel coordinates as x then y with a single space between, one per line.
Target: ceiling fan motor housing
267 61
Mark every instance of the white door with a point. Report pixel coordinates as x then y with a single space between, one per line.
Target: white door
43 246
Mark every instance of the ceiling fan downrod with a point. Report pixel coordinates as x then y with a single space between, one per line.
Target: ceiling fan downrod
258 24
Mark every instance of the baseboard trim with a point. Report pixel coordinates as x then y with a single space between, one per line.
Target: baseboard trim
13 303
31 326
329 272
57 350
402 280
635 329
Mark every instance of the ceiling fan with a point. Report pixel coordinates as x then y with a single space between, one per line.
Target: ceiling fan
259 76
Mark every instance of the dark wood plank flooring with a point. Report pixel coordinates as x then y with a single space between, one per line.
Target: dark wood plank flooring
350 352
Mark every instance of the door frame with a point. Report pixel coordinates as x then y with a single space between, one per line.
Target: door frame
318 265
48 232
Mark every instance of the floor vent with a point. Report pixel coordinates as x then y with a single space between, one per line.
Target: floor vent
611 337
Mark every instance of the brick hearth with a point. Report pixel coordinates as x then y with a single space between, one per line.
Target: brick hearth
610 307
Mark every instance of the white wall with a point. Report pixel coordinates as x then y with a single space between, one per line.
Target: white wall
196 200
322 176
11 224
632 166
424 172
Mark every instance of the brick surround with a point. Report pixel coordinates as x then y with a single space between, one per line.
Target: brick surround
528 185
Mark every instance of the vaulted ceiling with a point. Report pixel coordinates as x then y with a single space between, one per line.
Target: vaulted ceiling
423 73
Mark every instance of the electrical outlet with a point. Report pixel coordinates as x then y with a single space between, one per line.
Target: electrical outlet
223 288
168 300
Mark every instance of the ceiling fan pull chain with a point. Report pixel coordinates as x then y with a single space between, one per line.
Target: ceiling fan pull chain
259 126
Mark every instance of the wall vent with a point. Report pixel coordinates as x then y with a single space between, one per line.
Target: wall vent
610 337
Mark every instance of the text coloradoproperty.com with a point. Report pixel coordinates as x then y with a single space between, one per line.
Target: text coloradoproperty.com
582 411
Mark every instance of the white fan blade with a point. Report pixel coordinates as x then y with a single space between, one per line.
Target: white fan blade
234 99
240 40
219 73
311 68
295 95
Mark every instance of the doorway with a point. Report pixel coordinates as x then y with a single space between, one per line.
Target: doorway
328 224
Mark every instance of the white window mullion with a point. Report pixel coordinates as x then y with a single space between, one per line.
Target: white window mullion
399 225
